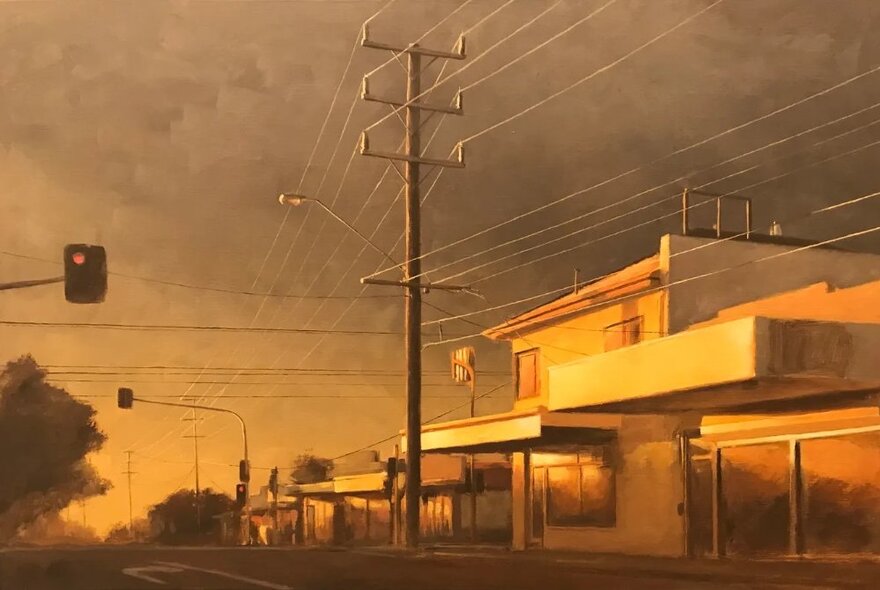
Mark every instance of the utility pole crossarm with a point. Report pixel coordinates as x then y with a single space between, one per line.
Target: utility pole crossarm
412 158
417 285
455 109
458 51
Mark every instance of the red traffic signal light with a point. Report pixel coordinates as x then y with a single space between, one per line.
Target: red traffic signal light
241 494
85 273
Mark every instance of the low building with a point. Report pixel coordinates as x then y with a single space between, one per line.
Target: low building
716 398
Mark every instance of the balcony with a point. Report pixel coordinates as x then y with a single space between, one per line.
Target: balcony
748 364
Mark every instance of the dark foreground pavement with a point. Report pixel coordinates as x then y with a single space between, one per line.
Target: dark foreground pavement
135 568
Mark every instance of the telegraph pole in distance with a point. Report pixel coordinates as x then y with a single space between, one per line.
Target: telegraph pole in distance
129 473
412 160
195 436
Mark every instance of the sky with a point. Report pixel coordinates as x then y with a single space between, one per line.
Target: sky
165 131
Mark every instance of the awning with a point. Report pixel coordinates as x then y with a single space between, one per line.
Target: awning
741 429
752 364
516 430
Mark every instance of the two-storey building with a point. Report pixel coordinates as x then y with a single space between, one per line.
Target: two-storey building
718 397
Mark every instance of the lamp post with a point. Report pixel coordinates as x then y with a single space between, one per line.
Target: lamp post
126 399
295 200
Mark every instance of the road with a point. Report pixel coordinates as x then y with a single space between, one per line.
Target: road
139 568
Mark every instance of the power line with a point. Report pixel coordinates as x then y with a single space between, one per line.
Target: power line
317 141
341 183
657 203
437 417
302 180
620 202
594 74
197 287
493 47
238 383
696 277
181 370
197 328
272 396
642 167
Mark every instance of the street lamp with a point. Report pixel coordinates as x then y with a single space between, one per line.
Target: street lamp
295 200
125 399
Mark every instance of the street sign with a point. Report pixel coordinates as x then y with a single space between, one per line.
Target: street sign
463 364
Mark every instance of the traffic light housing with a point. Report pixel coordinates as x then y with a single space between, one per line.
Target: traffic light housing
273 481
125 398
241 491
85 273
244 471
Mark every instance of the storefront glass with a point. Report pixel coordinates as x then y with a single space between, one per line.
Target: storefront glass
842 493
755 484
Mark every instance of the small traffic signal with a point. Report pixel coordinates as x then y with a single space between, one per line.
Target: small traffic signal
85 273
273 481
241 494
244 471
125 398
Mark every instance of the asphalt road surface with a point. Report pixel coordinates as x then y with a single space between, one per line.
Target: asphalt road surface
138 568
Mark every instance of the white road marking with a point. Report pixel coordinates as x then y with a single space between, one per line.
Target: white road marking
138 572
235 577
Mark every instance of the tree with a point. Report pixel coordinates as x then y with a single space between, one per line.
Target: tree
173 520
45 436
308 468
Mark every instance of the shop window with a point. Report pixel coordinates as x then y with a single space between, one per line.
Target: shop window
623 333
527 374
582 494
755 484
842 481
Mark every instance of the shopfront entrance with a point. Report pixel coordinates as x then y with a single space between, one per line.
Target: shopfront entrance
803 493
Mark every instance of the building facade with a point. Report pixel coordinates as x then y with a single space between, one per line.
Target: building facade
716 398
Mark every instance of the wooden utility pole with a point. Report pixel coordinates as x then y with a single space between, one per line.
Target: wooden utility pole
195 436
129 473
412 160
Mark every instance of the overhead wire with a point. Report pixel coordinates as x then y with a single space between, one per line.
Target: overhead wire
343 179
305 172
620 202
437 417
492 48
642 167
192 286
712 243
364 205
657 203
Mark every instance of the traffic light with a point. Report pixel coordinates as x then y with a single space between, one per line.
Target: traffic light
273 481
390 475
244 471
241 492
125 398
85 273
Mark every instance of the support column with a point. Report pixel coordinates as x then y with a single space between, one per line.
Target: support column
521 498
796 501
719 543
